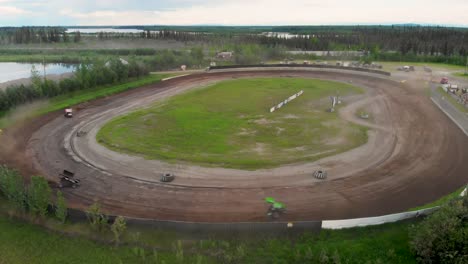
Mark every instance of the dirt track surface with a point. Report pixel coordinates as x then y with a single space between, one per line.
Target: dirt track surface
415 154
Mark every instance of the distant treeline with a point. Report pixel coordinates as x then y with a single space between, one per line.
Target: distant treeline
385 43
417 40
413 40
86 76
302 30
27 35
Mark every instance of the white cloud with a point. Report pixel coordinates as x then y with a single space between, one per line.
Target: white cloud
111 17
12 11
232 12
263 12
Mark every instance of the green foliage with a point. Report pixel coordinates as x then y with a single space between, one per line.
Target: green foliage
12 187
77 37
97 220
38 196
197 55
386 243
36 79
179 252
139 252
172 59
118 228
366 60
443 236
247 54
25 243
61 211
87 75
461 74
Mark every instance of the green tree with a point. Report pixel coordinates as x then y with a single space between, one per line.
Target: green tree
77 37
12 187
120 69
38 197
197 55
82 75
118 228
375 52
61 210
97 219
36 78
443 236
66 38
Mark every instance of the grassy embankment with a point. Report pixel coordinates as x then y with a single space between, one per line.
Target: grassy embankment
21 242
26 243
77 97
461 74
229 124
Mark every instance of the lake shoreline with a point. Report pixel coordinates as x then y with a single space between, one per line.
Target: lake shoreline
27 81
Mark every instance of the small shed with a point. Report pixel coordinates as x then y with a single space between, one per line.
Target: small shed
225 55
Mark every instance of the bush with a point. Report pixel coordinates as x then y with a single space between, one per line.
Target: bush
443 236
61 208
118 228
97 220
12 187
38 197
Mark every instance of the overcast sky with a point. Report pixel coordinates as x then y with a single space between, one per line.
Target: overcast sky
231 12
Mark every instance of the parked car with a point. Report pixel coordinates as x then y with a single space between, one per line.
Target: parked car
444 80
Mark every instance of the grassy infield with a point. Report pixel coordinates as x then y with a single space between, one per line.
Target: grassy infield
22 243
229 125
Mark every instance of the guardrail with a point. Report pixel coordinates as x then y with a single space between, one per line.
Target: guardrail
317 66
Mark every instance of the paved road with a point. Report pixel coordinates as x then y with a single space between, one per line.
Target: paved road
458 117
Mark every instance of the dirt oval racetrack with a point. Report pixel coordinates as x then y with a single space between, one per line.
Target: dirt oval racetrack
415 154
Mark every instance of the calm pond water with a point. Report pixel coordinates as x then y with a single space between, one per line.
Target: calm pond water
12 70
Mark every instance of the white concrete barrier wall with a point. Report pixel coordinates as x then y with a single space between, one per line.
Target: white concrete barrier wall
378 220
173 77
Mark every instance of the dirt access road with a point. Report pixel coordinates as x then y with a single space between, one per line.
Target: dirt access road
415 155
